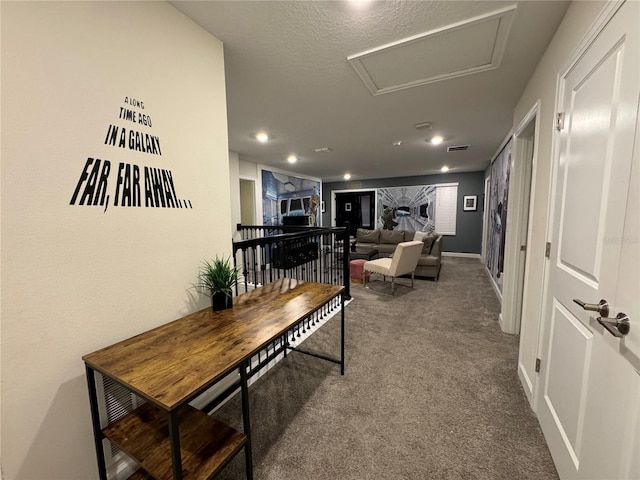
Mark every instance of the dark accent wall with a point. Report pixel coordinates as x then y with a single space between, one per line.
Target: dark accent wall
468 238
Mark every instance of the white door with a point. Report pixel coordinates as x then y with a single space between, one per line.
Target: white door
589 389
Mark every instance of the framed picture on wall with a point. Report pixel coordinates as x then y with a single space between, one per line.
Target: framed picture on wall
470 203
347 207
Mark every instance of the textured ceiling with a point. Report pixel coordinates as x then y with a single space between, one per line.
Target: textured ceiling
287 73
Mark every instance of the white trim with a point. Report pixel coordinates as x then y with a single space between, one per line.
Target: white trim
494 285
529 384
504 143
607 13
525 381
523 159
464 255
524 123
122 468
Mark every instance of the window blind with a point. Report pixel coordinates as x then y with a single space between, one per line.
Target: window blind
446 208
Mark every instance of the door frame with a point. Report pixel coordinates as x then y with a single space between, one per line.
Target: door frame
521 199
332 213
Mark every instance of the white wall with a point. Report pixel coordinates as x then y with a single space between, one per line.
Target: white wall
542 87
77 278
249 170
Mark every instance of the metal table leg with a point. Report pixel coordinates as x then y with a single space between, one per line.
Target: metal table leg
174 441
244 387
95 422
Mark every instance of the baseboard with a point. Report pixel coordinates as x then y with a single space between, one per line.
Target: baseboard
122 469
460 254
494 285
527 384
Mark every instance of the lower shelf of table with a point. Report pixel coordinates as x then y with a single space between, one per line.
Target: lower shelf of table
206 444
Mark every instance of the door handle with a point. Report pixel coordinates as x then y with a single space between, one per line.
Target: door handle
601 307
618 327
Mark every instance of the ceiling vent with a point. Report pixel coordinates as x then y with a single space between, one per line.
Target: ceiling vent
422 126
458 148
471 46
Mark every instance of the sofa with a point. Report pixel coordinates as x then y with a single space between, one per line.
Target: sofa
386 241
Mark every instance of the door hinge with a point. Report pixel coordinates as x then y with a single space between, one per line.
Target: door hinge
559 121
537 365
547 250
523 248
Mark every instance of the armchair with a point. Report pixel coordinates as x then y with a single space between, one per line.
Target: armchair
403 261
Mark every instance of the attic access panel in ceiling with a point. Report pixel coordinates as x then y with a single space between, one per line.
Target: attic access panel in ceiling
470 46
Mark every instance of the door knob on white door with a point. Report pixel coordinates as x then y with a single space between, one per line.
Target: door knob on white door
601 307
618 327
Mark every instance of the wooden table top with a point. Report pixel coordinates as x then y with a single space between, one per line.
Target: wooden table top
172 363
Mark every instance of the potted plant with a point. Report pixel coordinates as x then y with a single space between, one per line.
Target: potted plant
218 277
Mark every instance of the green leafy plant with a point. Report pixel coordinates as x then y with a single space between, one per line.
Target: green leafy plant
218 276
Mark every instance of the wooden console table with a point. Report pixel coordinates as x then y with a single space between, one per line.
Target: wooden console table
172 364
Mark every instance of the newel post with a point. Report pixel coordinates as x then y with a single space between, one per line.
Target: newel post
346 249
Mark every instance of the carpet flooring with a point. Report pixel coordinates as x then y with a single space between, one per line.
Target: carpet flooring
430 392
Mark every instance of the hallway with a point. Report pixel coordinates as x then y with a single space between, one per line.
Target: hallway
430 392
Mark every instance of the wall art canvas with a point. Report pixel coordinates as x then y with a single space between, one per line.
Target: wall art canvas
406 208
498 203
285 196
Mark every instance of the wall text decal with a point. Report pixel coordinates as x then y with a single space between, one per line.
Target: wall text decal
132 185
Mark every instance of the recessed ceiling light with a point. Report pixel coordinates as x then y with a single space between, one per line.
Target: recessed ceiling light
359 3
437 140
292 159
262 137
397 143
347 176
444 169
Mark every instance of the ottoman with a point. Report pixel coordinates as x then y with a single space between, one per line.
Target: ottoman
356 270
366 255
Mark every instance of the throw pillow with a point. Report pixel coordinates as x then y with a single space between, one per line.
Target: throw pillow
427 238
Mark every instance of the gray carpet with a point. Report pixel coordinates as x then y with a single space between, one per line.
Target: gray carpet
430 392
